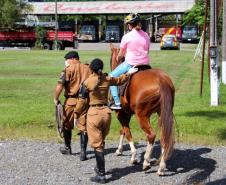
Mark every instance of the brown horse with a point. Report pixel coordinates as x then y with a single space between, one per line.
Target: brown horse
149 91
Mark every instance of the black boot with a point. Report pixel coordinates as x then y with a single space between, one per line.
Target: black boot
67 141
83 144
100 168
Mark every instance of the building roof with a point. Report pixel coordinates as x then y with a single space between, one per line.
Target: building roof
113 7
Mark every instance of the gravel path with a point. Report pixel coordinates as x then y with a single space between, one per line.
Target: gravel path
40 163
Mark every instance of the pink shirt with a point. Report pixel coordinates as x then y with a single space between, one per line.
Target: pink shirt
136 43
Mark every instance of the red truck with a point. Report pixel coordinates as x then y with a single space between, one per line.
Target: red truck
28 38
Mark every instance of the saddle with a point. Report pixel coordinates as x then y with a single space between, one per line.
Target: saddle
122 88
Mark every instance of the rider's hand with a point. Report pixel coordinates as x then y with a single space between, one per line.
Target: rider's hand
132 70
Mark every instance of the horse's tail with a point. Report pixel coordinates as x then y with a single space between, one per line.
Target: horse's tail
167 92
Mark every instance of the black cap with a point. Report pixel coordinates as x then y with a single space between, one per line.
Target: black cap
71 54
96 65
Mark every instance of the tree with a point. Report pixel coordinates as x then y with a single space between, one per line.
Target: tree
196 14
41 34
11 11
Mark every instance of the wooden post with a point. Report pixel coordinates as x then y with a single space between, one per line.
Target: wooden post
203 48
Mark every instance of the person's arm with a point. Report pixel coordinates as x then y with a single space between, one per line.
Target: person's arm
82 100
59 88
121 54
122 50
122 78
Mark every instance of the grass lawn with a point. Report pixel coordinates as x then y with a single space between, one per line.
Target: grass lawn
28 79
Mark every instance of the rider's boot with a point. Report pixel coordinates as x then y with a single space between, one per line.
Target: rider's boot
67 142
99 169
83 144
116 106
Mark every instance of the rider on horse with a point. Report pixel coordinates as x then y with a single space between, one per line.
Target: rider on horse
134 47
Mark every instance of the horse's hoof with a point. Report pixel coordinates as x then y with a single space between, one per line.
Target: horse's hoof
118 152
145 168
146 165
133 161
160 173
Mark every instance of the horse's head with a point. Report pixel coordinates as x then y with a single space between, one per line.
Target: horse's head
114 53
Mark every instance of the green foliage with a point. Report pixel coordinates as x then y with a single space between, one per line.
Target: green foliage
40 35
11 11
196 14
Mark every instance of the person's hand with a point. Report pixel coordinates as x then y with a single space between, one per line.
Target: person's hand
132 70
56 101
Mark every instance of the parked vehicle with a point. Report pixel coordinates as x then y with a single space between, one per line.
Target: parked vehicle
88 32
113 30
17 38
28 38
169 42
177 31
113 33
64 39
190 34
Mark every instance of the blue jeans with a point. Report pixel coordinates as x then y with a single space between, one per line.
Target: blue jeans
122 68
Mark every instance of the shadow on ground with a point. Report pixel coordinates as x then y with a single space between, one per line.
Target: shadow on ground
217 182
126 147
209 114
108 150
182 161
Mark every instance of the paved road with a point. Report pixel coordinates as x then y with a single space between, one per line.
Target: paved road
105 46
40 163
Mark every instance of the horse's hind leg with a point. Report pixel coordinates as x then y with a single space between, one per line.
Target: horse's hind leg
145 125
162 163
124 119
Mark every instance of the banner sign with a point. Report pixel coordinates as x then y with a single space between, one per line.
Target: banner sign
113 7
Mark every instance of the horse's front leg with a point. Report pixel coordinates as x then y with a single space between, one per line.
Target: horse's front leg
120 146
131 144
146 127
124 119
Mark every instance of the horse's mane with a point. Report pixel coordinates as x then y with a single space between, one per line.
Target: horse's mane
113 60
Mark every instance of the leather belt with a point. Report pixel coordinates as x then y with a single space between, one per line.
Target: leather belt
72 96
98 105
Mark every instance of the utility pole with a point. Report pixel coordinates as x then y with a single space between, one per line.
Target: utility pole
56 27
214 55
177 25
224 45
